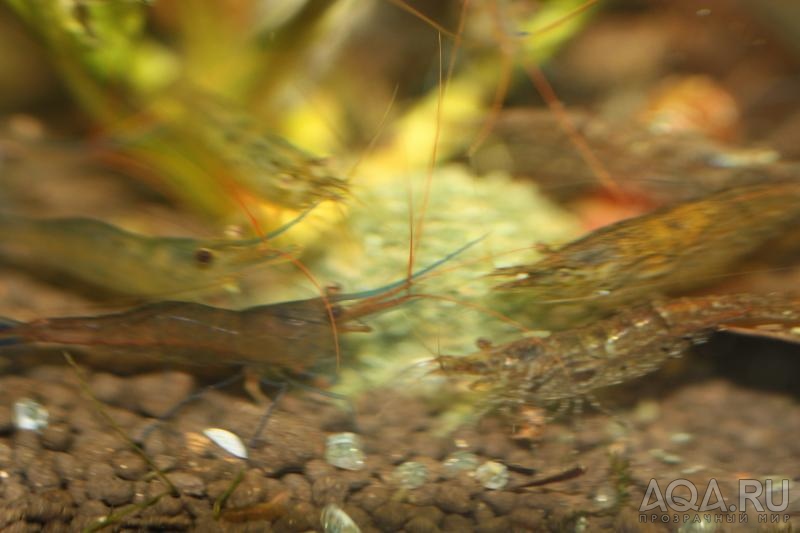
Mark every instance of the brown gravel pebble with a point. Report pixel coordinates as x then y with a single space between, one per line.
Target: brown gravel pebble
102 484
531 519
187 483
59 396
498 524
55 505
196 506
393 444
89 513
420 524
300 517
423 496
215 489
129 465
482 512
26 448
329 489
538 500
453 499
299 486
67 466
457 523
77 489
431 513
97 446
501 502
318 468
41 476
496 446
165 462
392 515
167 504
253 489
358 515
371 497
57 437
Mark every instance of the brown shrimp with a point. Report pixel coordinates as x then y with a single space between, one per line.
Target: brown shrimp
287 336
663 252
573 364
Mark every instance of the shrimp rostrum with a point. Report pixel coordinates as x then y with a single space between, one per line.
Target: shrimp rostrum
572 365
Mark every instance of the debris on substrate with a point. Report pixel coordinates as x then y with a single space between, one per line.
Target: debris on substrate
78 469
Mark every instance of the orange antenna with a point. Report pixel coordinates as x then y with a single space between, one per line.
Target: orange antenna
540 83
443 83
545 89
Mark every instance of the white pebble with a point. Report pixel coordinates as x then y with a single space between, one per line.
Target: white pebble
230 442
30 415
335 520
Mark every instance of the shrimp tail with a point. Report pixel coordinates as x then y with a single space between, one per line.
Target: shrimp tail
7 334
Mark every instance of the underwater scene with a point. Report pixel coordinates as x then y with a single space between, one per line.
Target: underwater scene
394 265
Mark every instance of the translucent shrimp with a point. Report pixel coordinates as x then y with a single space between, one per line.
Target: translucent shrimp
573 364
119 261
287 336
663 252
265 163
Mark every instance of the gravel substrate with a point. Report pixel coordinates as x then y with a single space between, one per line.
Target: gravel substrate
79 469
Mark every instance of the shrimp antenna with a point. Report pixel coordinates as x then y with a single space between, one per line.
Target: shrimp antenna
416 275
283 229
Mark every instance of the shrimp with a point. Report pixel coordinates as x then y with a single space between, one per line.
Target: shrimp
119 261
290 336
573 364
263 162
664 169
663 252
223 151
287 335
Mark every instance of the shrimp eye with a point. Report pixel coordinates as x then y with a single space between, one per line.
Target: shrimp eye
204 257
